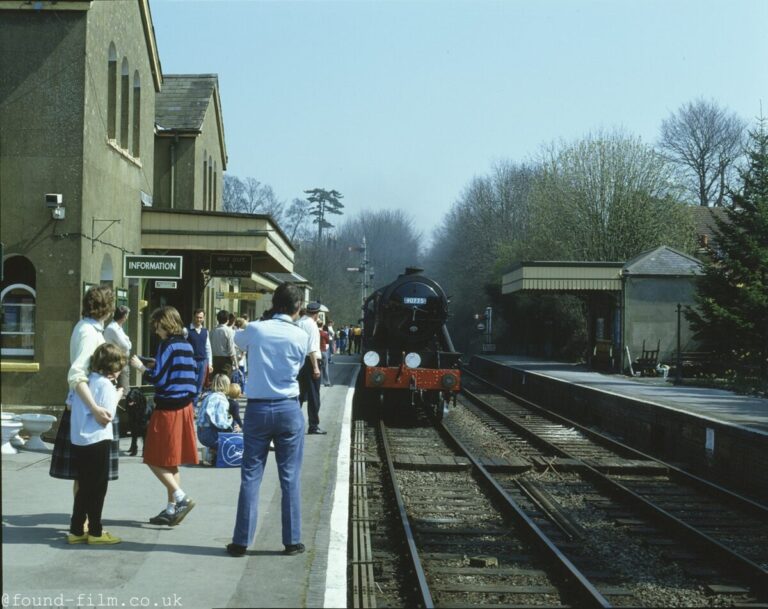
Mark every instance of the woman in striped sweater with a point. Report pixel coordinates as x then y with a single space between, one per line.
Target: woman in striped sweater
171 439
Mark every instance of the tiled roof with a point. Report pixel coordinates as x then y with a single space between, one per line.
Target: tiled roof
183 100
703 218
663 260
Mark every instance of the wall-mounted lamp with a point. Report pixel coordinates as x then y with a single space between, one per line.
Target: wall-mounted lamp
55 202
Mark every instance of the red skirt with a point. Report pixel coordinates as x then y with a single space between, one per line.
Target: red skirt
171 438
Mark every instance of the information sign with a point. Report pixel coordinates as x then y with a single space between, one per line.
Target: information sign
152 267
166 285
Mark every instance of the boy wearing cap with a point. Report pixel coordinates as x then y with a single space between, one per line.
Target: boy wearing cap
309 376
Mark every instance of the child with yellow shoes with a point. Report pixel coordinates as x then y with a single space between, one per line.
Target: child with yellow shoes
91 448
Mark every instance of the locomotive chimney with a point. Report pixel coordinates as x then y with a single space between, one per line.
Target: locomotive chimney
413 270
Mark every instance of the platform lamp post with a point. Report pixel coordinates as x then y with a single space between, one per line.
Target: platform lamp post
679 362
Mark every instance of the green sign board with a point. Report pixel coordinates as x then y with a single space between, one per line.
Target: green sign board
152 267
225 265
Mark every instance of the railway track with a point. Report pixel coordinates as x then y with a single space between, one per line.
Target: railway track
536 528
644 493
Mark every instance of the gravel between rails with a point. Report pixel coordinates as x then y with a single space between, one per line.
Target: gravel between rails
654 579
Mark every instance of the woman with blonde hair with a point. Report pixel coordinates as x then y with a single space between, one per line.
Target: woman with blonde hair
170 439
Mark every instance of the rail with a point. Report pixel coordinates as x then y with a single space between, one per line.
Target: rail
736 562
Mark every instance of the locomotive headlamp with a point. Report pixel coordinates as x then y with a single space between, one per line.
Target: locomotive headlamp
413 360
371 359
449 380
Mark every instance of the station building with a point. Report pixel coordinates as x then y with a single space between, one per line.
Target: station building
631 306
104 160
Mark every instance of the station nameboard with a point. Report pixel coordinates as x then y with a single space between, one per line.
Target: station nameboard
226 265
152 267
243 296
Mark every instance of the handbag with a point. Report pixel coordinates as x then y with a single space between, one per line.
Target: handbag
230 450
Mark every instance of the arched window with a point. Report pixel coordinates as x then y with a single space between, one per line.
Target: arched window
205 182
112 93
18 298
106 276
136 147
125 101
210 182
215 192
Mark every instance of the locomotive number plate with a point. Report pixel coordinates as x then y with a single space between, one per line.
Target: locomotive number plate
414 300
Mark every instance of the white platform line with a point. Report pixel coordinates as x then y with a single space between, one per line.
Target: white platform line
336 572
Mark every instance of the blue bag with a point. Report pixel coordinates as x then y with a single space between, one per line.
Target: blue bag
230 452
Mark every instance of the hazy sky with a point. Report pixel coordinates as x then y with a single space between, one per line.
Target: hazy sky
398 104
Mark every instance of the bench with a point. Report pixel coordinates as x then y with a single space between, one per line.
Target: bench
647 363
694 361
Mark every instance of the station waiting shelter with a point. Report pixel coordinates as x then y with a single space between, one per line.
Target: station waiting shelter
631 306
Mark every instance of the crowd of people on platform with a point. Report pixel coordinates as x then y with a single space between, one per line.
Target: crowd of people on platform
277 362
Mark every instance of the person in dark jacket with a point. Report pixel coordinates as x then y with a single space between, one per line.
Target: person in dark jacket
170 439
197 336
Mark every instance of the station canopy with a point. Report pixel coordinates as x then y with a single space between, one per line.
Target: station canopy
185 232
569 276
563 276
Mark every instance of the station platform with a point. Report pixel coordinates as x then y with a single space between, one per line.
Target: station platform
714 404
183 566
715 433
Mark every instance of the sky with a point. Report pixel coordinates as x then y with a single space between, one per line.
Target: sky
398 104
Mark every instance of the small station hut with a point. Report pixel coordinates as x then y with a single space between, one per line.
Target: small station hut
631 306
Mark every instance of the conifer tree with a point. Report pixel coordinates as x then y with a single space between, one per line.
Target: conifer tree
322 203
732 293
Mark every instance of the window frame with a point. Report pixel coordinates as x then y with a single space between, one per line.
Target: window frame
13 351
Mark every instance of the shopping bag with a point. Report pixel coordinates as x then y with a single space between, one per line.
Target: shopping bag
230 453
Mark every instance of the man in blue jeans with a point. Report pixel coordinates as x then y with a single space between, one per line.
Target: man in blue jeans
275 349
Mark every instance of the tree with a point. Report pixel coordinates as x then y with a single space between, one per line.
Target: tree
297 216
485 230
732 293
606 197
392 245
703 140
324 202
250 196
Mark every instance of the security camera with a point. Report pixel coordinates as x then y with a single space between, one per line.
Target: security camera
53 200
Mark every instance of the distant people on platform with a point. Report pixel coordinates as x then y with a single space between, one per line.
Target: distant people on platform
197 336
325 351
171 440
233 395
223 345
357 338
276 350
309 377
91 442
213 417
115 334
343 335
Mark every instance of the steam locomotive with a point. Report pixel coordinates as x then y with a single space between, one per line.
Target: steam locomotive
408 356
